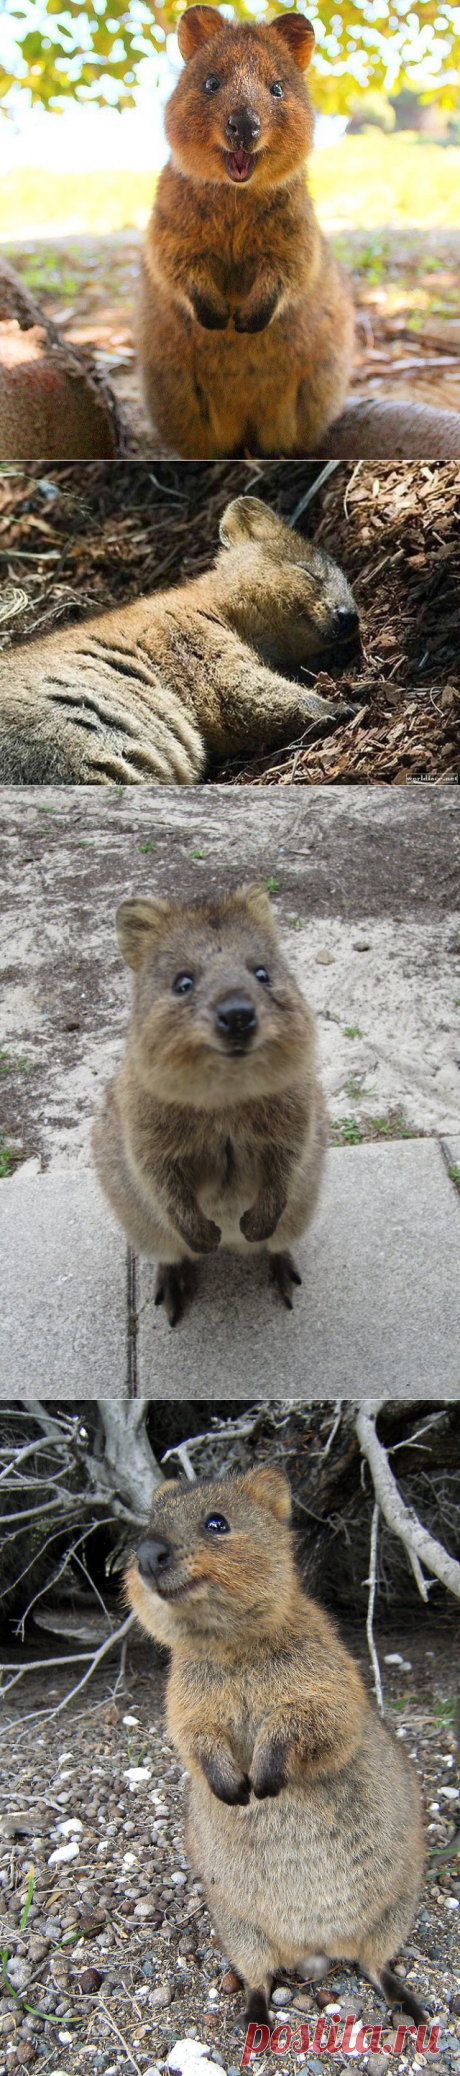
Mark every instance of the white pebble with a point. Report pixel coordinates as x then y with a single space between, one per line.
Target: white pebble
159 1997
132 1722
393 1658
129 1860
71 1824
183 2050
451 1902
451 1795
135 1775
64 1852
180 1879
103 1846
66 2041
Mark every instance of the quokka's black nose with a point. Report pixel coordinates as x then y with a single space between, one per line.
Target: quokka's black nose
242 128
346 623
236 1019
152 1556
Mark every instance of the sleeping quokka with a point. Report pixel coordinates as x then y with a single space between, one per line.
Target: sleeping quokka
245 327
303 1812
156 690
212 1133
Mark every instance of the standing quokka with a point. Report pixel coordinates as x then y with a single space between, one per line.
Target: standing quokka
245 328
213 1131
154 690
303 1817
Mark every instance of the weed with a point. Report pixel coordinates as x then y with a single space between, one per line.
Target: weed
8 1065
28 1901
354 1088
352 1031
272 886
6 1162
146 846
346 1131
198 854
454 1175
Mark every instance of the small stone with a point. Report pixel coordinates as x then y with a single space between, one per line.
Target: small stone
90 1980
303 2003
160 1997
325 958
230 1981
455 2004
280 1996
376 2064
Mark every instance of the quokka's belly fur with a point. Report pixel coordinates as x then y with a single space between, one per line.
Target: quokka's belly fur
310 1874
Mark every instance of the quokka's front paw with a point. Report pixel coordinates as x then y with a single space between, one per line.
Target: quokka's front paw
258 1223
225 1778
213 316
255 318
269 1768
201 1238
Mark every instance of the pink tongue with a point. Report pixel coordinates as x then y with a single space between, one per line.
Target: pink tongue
240 163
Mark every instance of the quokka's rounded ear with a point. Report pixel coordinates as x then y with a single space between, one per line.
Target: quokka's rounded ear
248 519
297 32
194 28
269 1488
256 904
137 924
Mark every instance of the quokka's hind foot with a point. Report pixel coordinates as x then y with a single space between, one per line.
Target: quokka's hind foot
257 2007
400 1997
283 1273
174 1287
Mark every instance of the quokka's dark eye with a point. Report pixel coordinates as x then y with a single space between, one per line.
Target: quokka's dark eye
217 1524
183 983
261 974
212 83
277 90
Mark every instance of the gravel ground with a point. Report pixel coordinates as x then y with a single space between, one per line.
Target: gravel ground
117 1959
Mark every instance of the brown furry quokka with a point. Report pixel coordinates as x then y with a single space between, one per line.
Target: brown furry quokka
245 328
153 691
303 1817
212 1134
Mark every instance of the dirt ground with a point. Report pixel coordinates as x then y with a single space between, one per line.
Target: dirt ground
86 535
89 284
117 1959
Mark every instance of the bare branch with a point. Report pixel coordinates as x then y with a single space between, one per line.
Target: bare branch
77 1657
421 1547
370 1610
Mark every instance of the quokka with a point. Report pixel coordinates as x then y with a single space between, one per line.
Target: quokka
212 1134
156 690
303 1813
245 326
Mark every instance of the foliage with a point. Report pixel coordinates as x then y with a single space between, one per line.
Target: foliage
95 49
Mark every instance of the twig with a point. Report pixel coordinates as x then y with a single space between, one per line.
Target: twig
334 1429
327 471
349 486
76 1658
123 2043
371 1582
404 1521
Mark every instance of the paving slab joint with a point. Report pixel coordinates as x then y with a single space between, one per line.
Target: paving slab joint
450 1149
131 1322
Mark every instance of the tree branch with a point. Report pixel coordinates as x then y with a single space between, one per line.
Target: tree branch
421 1547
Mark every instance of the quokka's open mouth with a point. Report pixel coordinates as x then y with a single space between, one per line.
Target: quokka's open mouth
240 165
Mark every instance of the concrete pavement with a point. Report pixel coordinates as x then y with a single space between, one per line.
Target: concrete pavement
378 1313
